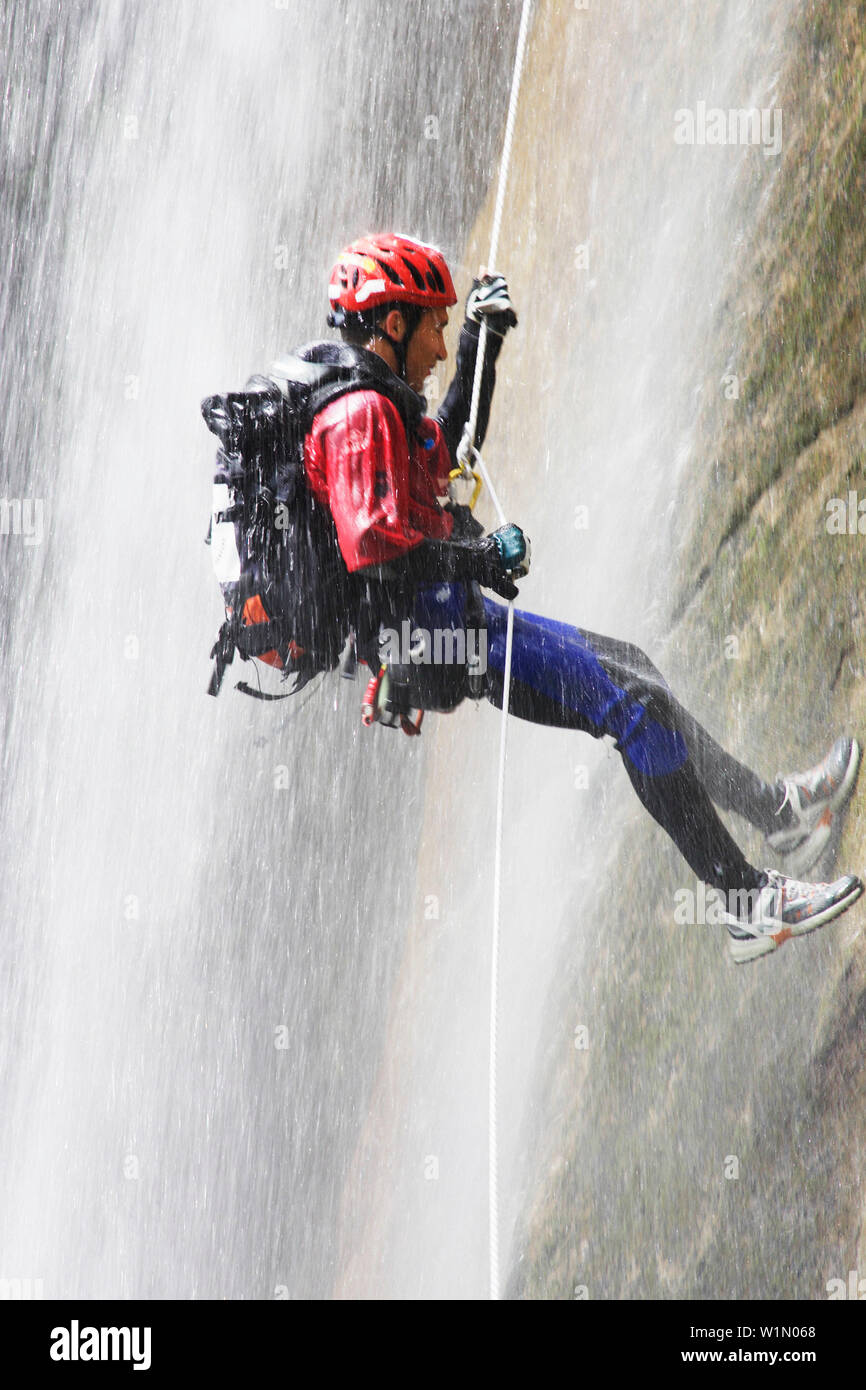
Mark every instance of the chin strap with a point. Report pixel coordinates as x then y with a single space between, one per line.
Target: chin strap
338 318
412 315
400 349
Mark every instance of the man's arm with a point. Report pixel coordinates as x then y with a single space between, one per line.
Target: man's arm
493 561
454 411
489 300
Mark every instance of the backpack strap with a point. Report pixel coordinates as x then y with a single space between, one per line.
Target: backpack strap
222 654
326 370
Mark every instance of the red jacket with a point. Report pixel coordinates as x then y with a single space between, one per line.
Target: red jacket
381 488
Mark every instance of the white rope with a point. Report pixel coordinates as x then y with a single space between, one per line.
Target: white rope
469 442
493 1159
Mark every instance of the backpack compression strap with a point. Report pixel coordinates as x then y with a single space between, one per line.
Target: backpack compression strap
250 639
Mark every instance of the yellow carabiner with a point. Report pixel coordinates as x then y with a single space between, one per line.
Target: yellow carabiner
470 473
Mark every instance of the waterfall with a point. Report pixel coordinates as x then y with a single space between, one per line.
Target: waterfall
244 947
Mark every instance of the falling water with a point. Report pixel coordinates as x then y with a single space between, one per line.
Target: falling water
195 959
243 1011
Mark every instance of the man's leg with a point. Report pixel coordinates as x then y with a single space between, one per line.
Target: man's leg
730 784
798 813
564 678
560 679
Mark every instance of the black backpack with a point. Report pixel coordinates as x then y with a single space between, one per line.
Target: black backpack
287 592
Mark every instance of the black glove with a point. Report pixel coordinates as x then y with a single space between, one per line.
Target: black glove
457 561
466 527
489 572
490 301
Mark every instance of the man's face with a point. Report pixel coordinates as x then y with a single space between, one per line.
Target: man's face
426 347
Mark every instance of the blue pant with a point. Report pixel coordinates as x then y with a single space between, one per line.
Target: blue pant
566 678
571 679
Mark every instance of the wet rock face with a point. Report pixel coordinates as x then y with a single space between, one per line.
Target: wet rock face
670 1146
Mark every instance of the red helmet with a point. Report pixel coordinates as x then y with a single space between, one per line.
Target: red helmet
388 269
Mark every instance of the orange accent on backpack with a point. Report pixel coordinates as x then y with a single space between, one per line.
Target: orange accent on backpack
255 612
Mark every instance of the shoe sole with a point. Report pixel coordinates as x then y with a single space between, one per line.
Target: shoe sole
799 861
756 946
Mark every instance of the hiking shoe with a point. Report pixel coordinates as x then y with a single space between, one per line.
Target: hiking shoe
784 908
816 799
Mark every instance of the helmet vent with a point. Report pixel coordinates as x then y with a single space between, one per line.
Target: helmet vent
434 279
416 275
390 272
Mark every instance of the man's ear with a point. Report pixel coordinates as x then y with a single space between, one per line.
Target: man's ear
394 325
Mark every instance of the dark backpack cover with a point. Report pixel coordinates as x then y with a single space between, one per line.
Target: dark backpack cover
288 594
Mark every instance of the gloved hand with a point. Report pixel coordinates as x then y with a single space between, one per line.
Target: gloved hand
488 573
489 300
515 550
503 557
466 527
492 561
